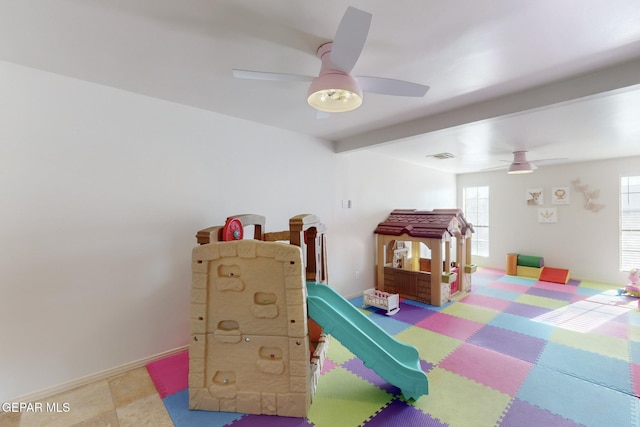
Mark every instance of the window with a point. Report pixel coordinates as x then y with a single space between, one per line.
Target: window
476 211
629 222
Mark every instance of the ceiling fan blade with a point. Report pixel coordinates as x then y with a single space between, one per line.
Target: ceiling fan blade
350 38
261 75
548 161
391 86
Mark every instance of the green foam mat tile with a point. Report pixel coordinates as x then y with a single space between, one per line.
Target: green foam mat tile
431 346
474 404
342 395
338 353
471 312
544 302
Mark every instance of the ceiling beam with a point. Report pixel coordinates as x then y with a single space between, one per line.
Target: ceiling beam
616 77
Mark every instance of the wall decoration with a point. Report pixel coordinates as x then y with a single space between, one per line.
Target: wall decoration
590 196
547 215
560 195
534 197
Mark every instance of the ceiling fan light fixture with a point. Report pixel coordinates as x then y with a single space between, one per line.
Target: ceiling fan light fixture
520 168
334 93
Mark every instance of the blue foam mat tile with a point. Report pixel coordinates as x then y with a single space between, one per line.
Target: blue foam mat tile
517 280
390 325
178 407
522 325
427 306
575 399
591 367
634 352
498 293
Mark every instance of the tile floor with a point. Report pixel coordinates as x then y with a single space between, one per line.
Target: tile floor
125 400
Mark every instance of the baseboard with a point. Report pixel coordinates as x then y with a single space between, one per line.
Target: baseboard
352 296
61 388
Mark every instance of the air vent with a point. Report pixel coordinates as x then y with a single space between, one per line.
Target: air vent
442 156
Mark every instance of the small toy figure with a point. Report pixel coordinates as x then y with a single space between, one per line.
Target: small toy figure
632 289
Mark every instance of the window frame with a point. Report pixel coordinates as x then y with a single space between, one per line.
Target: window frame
629 223
479 246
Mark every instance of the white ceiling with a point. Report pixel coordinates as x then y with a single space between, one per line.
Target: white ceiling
559 78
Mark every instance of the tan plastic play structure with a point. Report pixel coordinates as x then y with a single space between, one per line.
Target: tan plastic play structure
401 270
253 349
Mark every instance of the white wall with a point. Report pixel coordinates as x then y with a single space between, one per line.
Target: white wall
377 185
102 192
583 241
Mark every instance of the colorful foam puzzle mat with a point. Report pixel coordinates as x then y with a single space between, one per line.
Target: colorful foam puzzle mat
557 376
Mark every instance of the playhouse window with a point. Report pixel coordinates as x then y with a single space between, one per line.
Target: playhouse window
629 222
475 205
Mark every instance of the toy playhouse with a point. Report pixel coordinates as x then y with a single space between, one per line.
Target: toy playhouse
402 270
253 349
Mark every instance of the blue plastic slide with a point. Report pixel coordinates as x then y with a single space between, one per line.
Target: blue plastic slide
396 362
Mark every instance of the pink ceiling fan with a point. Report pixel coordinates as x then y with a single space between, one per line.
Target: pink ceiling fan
335 89
520 164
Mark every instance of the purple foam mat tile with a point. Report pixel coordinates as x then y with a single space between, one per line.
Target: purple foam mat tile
573 282
411 314
525 310
400 414
511 343
523 414
563 296
357 367
270 421
426 366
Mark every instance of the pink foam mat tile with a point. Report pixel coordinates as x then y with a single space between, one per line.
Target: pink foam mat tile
327 365
486 302
496 370
556 287
511 287
635 379
613 328
170 375
452 326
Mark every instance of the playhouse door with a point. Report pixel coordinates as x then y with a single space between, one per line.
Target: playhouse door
453 286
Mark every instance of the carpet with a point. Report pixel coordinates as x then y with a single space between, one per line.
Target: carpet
489 363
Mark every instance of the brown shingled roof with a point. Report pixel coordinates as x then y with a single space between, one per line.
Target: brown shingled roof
424 224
